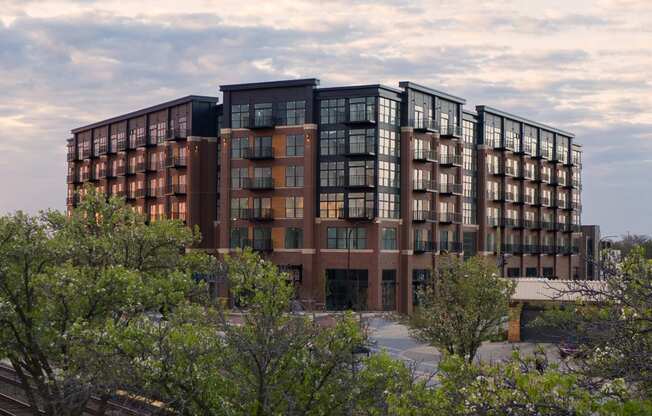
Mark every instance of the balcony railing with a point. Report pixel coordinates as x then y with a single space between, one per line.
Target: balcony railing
175 161
544 201
422 246
450 188
131 194
493 195
511 222
449 130
258 214
361 117
140 141
178 215
450 217
528 199
110 172
451 246
424 215
74 178
177 133
493 221
258 183
141 193
141 167
84 176
450 160
532 224
130 169
357 213
547 225
71 156
361 181
425 155
258 152
262 122
424 185
263 244
122 145
364 148
493 169
508 196
424 124
175 188
153 192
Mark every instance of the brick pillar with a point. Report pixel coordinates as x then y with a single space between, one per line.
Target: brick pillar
404 281
225 197
514 324
311 280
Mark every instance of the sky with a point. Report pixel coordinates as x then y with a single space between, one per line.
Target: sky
579 65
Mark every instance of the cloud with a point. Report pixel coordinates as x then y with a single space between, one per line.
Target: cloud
585 69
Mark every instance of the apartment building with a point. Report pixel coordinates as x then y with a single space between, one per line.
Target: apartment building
355 191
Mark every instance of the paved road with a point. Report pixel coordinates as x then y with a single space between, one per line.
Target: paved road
394 338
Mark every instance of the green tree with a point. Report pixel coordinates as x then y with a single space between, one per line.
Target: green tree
64 281
463 305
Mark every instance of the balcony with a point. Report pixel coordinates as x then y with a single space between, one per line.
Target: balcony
257 214
508 196
576 228
508 170
511 222
175 161
152 166
74 178
451 246
131 194
424 155
175 189
261 183
153 192
141 167
528 199
140 141
493 195
110 172
424 215
576 206
575 183
493 169
493 221
178 215
424 185
511 248
357 213
447 160
450 131
262 122
258 152
547 225
549 250
85 154
532 224
366 148
544 201
361 181
423 125
530 249
71 156
122 145
447 188
528 175
84 176
361 117
260 244
141 193
177 133
564 227
130 169
423 246
449 217
72 200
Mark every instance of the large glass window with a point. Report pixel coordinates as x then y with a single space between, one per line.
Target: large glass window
293 237
389 143
468 132
238 176
331 142
238 144
331 174
294 207
389 111
389 205
239 116
362 109
294 176
492 130
512 135
293 112
361 204
389 239
362 141
239 207
337 238
530 140
294 145
562 149
361 173
546 144
263 114
389 174
331 205
332 111
239 237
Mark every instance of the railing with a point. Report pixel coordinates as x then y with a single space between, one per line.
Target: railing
258 152
493 169
425 155
177 133
452 160
423 246
450 188
178 215
532 224
508 170
153 192
547 225
265 244
493 195
141 193
424 124
361 117
365 148
508 196
72 178
548 249
510 222
451 246
266 182
131 194
84 176
141 167
450 217
449 130
141 141
424 185
356 213
528 198
544 201
71 156
260 214
131 169
175 161
424 215
493 221
176 188
262 122
364 181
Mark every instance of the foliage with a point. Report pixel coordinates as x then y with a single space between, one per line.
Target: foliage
631 241
65 282
462 306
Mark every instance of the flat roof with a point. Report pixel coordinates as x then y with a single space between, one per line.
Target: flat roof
147 110
522 120
271 84
432 91
358 87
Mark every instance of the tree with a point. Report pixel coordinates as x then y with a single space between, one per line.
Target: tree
257 359
463 305
66 281
613 323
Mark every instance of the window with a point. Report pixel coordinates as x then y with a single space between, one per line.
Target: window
361 173
389 143
546 144
389 239
492 130
331 142
562 149
294 145
468 158
389 111
337 238
389 205
361 205
238 144
238 175
331 205
388 173
294 207
240 116
263 114
469 186
332 111
530 272
262 238
239 237
262 207
293 237
331 174
294 112
530 140
294 176
513 272
362 141
362 109
547 272
468 213
420 278
468 132
512 135
239 208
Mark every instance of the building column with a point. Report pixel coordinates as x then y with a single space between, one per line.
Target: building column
514 323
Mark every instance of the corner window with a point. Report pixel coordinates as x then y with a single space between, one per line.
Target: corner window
240 116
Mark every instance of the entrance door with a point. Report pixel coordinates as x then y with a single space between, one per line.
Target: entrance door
389 290
346 289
